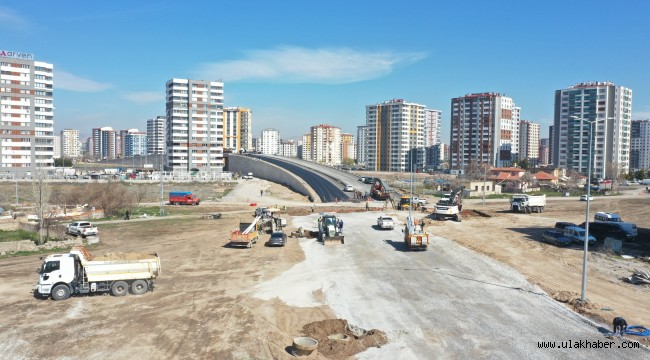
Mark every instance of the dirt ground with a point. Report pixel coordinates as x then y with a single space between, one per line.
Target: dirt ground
202 305
514 239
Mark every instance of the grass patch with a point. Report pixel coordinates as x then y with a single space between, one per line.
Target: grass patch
17 235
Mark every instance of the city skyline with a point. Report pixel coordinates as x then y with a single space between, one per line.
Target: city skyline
290 68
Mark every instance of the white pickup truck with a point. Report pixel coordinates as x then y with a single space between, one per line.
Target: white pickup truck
385 222
81 228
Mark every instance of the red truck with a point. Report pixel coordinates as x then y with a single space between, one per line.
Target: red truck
183 198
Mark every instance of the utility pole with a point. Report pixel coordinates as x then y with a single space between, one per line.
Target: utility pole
162 201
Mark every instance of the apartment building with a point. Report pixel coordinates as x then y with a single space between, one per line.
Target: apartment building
484 129
104 143
270 142
361 145
194 125
156 135
348 147
640 145
70 143
288 148
26 114
529 142
238 129
395 136
609 107
135 143
544 146
326 144
305 152
432 127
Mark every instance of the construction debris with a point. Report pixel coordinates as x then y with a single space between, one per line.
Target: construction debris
639 277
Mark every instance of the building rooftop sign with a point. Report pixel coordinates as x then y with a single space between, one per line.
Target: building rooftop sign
16 55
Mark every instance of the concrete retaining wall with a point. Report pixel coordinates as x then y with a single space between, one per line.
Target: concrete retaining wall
28 245
264 170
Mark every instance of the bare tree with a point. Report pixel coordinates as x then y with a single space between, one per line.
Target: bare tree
112 197
140 192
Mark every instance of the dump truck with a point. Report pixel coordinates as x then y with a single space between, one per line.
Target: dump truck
183 198
414 235
328 230
246 235
527 203
78 272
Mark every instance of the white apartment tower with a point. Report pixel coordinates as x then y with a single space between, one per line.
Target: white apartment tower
270 142
610 106
288 148
26 114
156 135
70 143
395 136
194 125
484 129
361 146
640 145
326 144
432 127
529 142
238 129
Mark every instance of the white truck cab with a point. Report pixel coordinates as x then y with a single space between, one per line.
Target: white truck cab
58 268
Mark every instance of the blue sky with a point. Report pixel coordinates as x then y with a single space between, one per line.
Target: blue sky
302 63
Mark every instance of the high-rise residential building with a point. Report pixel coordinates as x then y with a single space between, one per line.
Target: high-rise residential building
270 142
432 127
551 136
529 142
194 125
26 114
120 150
544 145
288 148
640 145
156 135
305 154
437 156
70 143
104 142
326 144
347 147
362 139
610 107
56 145
483 127
257 144
395 136
135 143
238 128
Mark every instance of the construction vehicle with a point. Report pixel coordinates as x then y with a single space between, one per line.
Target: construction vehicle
183 198
408 202
328 230
450 205
62 275
378 191
246 235
414 235
527 203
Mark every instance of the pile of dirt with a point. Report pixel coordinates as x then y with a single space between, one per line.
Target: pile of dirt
587 308
358 340
122 256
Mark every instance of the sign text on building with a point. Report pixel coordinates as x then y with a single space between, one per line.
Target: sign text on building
17 55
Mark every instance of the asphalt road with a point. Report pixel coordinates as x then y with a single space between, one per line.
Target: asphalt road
326 190
447 302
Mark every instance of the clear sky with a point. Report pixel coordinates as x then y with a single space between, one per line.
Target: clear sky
301 63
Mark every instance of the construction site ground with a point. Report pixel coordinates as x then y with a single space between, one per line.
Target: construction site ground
213 301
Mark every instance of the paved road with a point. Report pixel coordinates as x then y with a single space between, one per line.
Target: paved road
326 190
448 302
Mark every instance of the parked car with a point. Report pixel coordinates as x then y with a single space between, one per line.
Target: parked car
278 238
584 198
616 230
81 228
385 222
348 188
556 237
577 235
563 224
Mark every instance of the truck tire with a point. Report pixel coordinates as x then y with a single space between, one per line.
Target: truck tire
60 292
139 287
119 288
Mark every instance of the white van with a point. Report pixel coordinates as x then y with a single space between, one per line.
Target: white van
607 217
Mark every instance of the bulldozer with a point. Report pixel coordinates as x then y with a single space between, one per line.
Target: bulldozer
328 230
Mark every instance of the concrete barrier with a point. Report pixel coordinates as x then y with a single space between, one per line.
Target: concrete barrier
267 171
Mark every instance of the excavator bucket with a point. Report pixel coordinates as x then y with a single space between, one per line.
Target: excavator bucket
334 240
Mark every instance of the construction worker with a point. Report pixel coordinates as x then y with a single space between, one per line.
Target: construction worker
620 326
367 207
